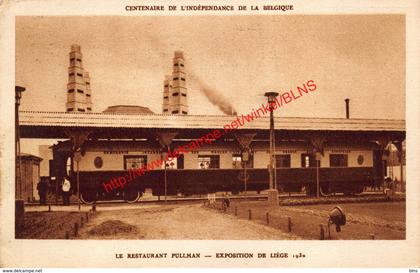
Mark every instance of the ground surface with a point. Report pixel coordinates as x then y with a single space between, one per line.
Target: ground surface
176 222
48 225
384 221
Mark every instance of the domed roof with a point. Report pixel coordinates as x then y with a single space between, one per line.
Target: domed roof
128 109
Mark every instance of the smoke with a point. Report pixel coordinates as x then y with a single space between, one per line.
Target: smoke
215 97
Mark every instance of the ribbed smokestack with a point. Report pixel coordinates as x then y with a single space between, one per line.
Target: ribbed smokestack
178 103
78 87
347 108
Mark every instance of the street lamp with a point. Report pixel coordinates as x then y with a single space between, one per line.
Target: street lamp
18 95
164 154
272 193
271 96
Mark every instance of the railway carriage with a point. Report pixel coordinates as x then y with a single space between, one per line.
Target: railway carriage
218 166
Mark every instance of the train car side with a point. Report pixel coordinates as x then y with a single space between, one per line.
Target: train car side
105 170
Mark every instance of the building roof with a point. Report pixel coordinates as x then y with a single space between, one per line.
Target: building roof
29 156
161 121
128 109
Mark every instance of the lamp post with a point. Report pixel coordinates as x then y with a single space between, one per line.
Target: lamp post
77 156
272 193
18 96
271 96
164 155
245 159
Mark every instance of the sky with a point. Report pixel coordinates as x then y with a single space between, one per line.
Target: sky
239 58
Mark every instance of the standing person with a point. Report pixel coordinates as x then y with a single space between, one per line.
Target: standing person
42 188
66 191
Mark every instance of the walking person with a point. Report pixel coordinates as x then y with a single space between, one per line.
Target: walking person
66 191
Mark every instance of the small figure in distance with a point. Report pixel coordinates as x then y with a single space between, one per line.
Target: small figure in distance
42 188
66 191
225 202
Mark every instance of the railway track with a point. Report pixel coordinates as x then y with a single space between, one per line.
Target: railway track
284 199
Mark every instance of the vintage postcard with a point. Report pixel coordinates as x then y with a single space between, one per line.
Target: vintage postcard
209 134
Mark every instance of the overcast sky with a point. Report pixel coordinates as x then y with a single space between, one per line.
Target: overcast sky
361 57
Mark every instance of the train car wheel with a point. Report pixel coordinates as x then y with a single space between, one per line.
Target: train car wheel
359 189
88 197
132 196
355 190
310 190
324 190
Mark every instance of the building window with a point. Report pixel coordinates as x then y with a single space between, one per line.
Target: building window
175 112
165 110
69 109
338 160
184 95
134 161
80 75
71 74
71 59
166 85
79 60
308 160
87 95
70 90
165 97
184 112
87 83
208 161
175 79
80 110
182 65
175 94
176 64
89 109
283 161
79 91
183 79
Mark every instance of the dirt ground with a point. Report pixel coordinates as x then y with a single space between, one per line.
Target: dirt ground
381 221
181 222
48 225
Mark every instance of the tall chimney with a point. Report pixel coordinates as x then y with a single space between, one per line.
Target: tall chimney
347 108
78 86
178 103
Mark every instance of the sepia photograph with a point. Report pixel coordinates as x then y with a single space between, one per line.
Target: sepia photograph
225 129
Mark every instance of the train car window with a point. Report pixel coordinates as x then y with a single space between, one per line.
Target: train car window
180 162
208 161
203 162
338 160
282 161
171 164
134 161
175 163
236 161
308 160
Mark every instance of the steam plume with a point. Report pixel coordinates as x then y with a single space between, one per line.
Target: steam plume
215 97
